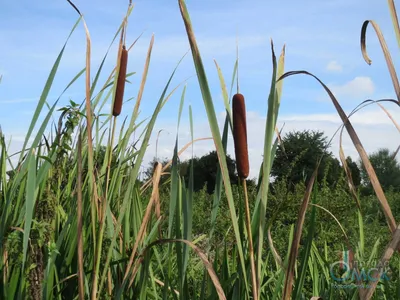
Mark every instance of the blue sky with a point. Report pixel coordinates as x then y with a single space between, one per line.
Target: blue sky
320 36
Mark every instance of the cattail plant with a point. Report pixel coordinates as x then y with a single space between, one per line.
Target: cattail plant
119 93
242 164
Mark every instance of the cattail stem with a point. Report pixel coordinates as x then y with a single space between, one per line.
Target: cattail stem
104 206
242 164
250 238
109 281
81 277
237 67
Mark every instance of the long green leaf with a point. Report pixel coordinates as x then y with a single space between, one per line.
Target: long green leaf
45 92
188 205
31 191
212 119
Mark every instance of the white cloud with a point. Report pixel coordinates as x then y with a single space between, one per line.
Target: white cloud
364 117
334 66
22 100
359 87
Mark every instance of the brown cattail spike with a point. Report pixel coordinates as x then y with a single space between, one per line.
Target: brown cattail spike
240 135
119 93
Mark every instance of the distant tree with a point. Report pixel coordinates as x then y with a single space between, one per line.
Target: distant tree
355 171
296 160
386 167
204 170
331 169
149 171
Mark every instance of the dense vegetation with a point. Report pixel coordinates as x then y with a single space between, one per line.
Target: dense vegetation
77 223
332 192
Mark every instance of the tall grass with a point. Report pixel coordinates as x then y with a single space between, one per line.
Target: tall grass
76 223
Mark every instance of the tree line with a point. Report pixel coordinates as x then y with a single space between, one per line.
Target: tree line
294 163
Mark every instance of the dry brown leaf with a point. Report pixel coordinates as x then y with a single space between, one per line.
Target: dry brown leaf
146 218
390 249
396 152
144 77
278 136
352 187
81 275
160 283
360 149
389 115
156 196
275 253
385 50
288 286
200 254
341 152
395 20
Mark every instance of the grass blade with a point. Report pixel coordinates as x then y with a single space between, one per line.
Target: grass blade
272 115
31 191
218 178
188 205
